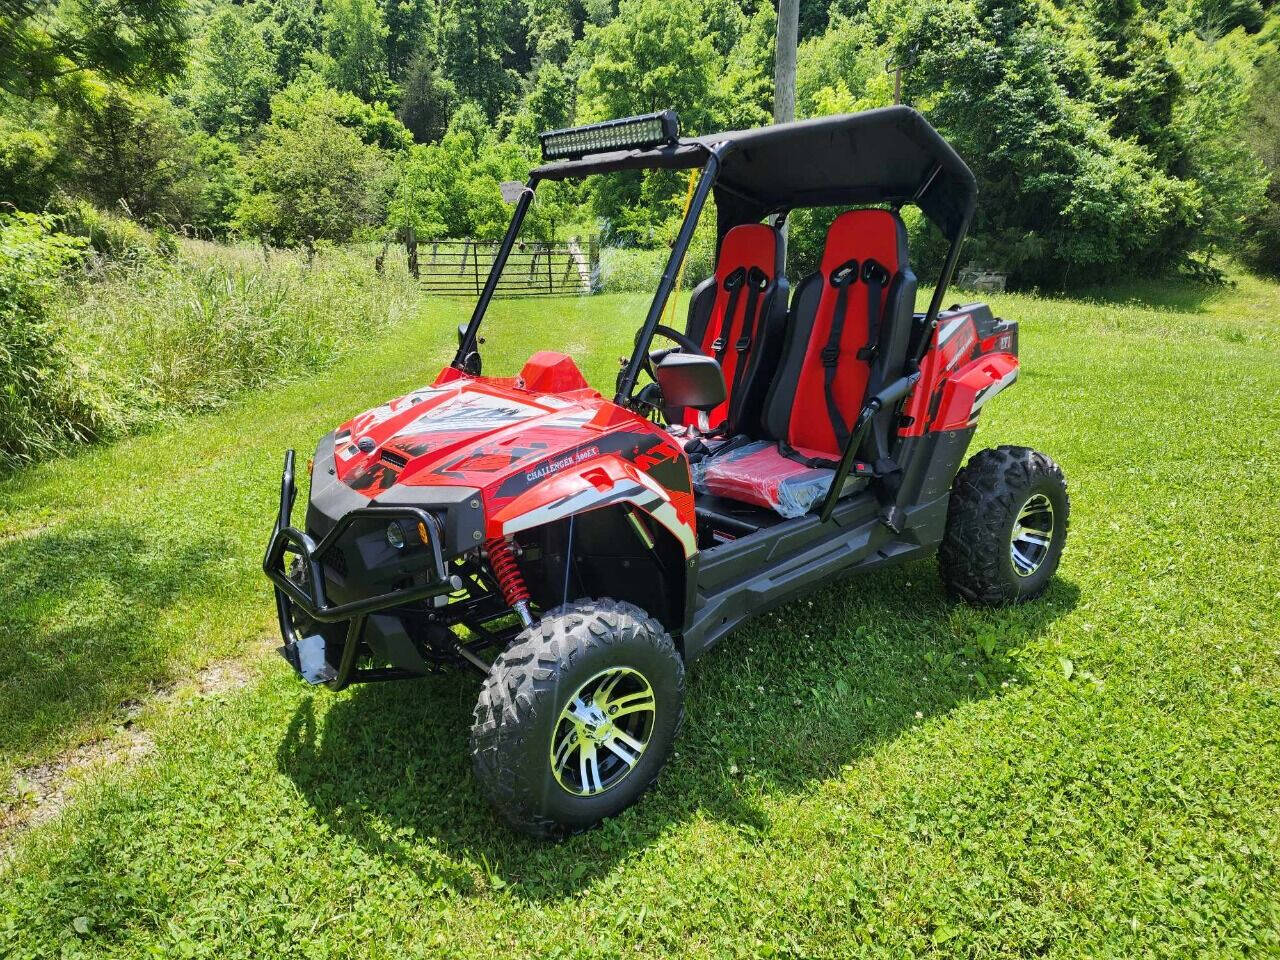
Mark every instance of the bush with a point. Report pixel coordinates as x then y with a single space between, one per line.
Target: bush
44 403
116 239
29 164
316 180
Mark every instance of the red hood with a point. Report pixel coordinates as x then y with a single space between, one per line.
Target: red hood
477 432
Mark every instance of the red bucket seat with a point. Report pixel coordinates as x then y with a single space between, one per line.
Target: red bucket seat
847 337
738 316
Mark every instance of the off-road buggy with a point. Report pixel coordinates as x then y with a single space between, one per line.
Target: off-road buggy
595 545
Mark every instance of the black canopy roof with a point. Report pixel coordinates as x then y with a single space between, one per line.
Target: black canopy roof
887 156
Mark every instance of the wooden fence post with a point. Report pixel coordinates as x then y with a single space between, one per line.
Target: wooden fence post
411 246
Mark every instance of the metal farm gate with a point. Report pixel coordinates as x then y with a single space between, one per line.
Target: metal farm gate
534 269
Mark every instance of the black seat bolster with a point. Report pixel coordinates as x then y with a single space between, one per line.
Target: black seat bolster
701 302
750 396
891 358
795 339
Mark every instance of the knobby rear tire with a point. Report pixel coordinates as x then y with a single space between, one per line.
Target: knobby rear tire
975 558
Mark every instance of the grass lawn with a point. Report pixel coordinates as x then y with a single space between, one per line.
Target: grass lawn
871 770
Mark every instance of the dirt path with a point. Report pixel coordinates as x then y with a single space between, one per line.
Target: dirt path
39 792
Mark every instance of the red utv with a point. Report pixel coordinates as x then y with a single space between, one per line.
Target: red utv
591 547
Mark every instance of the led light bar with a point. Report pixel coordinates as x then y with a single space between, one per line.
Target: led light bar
628 133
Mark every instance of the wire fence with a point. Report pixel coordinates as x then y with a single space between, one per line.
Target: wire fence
460 267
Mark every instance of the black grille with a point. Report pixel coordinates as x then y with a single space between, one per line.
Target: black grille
394 459
335 560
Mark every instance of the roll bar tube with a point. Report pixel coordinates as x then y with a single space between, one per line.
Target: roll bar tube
468 342
944 282
627 379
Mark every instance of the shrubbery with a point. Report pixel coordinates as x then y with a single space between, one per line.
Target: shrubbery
158 326
44 400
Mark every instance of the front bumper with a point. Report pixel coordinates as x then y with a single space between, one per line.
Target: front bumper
295 565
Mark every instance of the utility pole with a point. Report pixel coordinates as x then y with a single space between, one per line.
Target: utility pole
784 68
784 61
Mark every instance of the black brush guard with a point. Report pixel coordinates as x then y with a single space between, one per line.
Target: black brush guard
307 592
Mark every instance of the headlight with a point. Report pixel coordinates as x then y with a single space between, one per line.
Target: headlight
395 535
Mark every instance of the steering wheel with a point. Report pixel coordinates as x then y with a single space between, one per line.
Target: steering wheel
652 357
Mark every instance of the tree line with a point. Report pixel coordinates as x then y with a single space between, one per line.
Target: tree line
1110 138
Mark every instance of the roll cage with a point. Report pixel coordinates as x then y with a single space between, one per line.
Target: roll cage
891 156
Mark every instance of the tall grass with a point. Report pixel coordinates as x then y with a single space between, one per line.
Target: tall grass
189 335
153 337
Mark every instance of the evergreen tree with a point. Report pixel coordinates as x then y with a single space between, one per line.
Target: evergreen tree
427 101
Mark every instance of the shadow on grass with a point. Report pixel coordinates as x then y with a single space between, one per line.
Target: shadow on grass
1168 294
786 702
79 629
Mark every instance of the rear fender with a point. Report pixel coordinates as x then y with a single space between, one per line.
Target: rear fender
965 392
600 482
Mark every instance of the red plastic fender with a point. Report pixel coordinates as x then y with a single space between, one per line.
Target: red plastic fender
966 391
591 485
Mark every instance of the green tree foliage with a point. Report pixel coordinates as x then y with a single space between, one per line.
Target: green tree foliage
292 30
411 30
476 48
31 163
705 61
1088 136
132 153
450 189
1262 223
52 48
1109 136
234 76
308 96
316 180
427 101
356 47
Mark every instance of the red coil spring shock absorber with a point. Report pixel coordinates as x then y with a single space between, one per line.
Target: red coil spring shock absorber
502 561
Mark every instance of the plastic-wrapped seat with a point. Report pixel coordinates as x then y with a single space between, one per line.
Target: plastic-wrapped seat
847 336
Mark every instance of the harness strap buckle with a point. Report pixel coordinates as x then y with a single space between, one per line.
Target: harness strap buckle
830 355
875 272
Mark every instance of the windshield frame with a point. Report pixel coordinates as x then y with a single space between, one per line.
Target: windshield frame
627 377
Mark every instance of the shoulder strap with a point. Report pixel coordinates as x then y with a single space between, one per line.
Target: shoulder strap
758 281
733 283
877 277
842 278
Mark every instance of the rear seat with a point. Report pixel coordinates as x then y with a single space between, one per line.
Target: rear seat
738 316
828 369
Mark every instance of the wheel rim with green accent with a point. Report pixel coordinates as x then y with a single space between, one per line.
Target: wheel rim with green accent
1032 535
603 731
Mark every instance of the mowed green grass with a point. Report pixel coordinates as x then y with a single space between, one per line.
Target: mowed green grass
871 770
